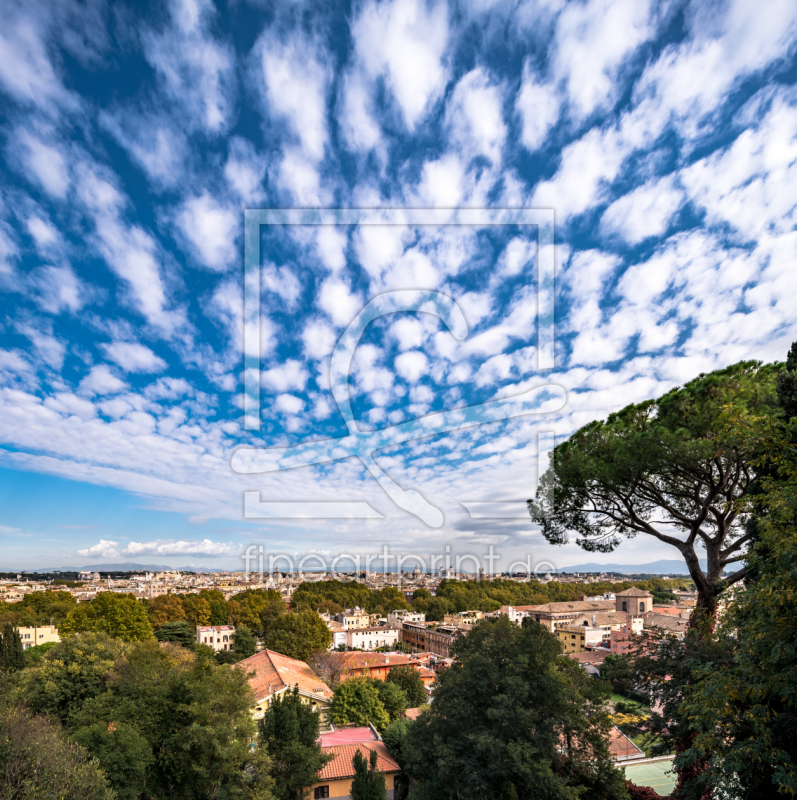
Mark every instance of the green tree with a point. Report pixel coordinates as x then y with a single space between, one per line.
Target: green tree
35 654
357 701
197 610
218 606
298 635
393 698
38 762
395 737
164 609
72 672
512 718
177 632
122 752
255 608
409 680
742 700
289 731
437 608
12 654
119 615
670 463
244 641
369 782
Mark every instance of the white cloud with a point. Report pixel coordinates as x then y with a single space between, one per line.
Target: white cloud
283 282
211 229
296 87
404 41
198 72
361 131
50 349
287 376
644 212
70 404
46 163
412 365
179 547
538 105
43 232
103 549
129 250
319 339
592 41
26 72
58 289
133 357
153 143
245 170
408 332
289 404
475 116
341 304
101 381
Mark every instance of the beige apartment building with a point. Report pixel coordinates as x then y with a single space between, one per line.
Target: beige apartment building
468 618
35 636
219 637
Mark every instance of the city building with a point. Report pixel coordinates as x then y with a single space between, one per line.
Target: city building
371 638
413 636
577 638
274 674
356 618
467 618
219 637
395 619
377 666
336 777
634 601
36 636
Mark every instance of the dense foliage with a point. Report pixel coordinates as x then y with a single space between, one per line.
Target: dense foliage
160 720
512 718
358 702
297 635
119 615
289 732
408 679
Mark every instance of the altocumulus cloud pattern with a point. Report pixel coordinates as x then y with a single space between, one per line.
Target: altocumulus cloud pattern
662 136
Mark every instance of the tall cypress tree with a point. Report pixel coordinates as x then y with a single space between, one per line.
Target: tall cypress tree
12 654
368 783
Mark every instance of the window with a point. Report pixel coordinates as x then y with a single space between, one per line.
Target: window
641 606
625 606
320 792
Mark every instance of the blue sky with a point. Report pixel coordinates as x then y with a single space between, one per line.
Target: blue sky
662 135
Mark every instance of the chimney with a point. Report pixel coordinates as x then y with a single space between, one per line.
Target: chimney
582 597
593 620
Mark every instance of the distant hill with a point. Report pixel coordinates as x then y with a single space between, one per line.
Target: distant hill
126 566
672 566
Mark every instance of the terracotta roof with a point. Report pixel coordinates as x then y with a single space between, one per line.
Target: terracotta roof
352 735
274 672
634 592
341 766
374 660
666 622
621 747
569 606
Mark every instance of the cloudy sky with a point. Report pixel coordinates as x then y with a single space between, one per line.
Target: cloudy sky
662 136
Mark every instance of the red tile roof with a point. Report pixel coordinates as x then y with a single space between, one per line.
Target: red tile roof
342 766
348 736
374 660
274 672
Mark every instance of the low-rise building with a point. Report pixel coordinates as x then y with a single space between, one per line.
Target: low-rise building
466 618
395 619
413 636
371 638
356 618
338 632
271 674
515 615
36 636
336 777
577 638
219 637
377 666
440 639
